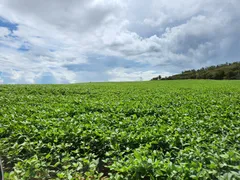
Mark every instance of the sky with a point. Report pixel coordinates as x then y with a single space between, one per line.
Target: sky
71 41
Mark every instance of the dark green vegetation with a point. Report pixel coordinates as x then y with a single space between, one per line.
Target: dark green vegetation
224 71
144 130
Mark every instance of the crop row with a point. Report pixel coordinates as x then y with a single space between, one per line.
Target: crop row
144 130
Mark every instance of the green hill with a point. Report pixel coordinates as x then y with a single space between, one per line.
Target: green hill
219 72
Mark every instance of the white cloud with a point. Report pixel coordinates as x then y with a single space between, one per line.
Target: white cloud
4 32
166 36
123 74
1 81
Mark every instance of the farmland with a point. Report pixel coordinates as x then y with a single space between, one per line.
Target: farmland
186 129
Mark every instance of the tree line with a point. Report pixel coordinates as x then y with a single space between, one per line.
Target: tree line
223 71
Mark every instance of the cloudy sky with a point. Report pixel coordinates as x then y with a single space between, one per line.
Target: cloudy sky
68 41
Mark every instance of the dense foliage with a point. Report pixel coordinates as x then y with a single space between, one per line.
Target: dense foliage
219 72
143 130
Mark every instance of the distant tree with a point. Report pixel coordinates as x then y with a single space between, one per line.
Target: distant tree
229 75
218 75
238 76
156 78
219 72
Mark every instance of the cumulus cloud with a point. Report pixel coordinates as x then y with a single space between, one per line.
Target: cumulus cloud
123 74
60 41
4 32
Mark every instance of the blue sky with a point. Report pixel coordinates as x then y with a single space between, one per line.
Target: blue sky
60 41
10 25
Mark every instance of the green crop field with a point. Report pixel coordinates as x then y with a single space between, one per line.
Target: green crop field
186 129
